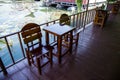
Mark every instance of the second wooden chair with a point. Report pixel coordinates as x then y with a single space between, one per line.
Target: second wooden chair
65 20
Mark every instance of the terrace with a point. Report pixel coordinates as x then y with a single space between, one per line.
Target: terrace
96 57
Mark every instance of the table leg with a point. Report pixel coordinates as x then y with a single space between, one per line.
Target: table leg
47 38
59 48
71 42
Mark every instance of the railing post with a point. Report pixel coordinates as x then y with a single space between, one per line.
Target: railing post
3 67
9 50
21 44
86 14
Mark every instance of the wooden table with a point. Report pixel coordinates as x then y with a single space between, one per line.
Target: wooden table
59 31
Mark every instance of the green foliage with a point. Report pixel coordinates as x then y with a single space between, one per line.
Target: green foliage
103 6
78 1
2 2
111 0
45 10
79 4
24 0
2 41
30 15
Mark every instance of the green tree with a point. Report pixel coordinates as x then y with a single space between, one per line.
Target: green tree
111 0
79 4
2 42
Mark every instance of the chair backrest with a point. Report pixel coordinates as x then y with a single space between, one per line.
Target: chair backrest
101 13
31 34
64 19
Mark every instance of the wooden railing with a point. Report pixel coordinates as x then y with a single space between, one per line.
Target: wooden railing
78 20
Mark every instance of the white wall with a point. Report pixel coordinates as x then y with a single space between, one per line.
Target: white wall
92 1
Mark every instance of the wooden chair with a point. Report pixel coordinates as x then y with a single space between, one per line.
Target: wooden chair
36 53
115 8
100 17
65 20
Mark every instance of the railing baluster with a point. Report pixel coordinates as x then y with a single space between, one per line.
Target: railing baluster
70 19
88 17
9 50
91 16
83 19
80 21
21 45
54 35
77 20
73 20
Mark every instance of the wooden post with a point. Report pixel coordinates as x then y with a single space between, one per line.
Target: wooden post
86 14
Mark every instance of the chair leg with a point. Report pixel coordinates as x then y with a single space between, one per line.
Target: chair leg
39 65
50 58
77 39
102 24
28 57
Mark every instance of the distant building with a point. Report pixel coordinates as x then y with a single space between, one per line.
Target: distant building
71 3
64 2
84 3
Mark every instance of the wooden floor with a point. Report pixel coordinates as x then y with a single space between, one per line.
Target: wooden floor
97 57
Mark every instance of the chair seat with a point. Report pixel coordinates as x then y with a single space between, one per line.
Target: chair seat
38 51
41 51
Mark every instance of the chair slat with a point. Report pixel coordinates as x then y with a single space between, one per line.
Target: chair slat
32 38
29 26
30 32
